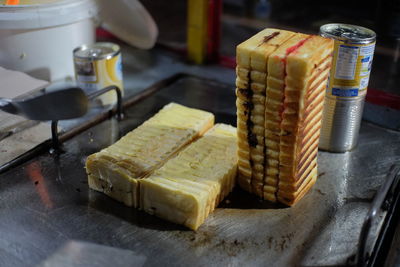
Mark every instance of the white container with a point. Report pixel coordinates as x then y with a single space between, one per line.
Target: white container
39 39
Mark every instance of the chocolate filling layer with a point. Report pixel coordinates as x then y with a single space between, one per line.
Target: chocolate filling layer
269 37
247 92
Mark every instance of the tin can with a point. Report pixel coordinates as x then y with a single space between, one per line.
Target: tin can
347 85
98 66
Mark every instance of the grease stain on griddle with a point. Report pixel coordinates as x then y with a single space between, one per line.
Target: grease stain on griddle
208 239
320 192
240 199
357 199
233 247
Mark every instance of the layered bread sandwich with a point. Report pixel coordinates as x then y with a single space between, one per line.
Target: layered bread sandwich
189 187
281 80
117 169
172 166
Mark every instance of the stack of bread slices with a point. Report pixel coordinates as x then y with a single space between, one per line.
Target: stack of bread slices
280 86
177 165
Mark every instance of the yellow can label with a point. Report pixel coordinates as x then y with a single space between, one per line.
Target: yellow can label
350 70
98 74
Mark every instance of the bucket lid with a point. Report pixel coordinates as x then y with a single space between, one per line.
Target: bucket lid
45 13
129 21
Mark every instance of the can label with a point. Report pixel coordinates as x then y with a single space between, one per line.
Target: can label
85 73
96 74
347 85
350 70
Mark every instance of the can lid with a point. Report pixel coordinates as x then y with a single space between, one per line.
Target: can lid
347 32
101 50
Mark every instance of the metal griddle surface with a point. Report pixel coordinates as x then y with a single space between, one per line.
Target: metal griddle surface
49 216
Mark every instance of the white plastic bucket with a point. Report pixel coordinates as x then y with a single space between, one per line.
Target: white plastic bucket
39 39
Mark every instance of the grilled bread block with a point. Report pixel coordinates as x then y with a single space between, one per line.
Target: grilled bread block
251 70
117 169
273 113
280 86
307 68
188 187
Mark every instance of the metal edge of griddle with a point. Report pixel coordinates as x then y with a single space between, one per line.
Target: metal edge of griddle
391 222
47 145
386 199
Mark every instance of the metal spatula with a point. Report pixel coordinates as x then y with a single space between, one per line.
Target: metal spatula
63 103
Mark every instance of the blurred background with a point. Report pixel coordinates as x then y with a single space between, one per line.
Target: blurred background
161 38
240 19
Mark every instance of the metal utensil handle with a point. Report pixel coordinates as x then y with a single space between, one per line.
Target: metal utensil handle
95 94
54 124
7 106
4 102
385 199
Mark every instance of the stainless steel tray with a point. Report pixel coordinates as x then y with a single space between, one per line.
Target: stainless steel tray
48 216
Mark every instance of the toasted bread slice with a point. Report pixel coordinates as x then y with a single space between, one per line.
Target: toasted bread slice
117 169
252 58
280 81
273 111
188 187
307 70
